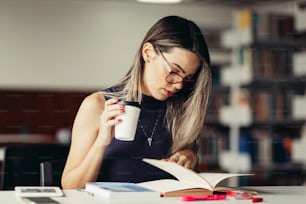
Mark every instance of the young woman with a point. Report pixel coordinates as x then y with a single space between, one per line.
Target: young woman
171 80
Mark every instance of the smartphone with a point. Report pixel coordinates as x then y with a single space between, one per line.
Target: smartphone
39 200
38 191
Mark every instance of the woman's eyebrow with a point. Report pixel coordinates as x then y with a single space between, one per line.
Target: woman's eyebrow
182 69
178 66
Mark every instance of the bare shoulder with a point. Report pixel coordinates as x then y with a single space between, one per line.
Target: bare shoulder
93 101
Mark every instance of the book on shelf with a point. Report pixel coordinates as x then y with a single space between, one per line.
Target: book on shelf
119 190
188 182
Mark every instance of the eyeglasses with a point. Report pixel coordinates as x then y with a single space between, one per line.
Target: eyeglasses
173 77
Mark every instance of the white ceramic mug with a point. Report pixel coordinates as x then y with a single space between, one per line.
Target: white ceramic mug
126 129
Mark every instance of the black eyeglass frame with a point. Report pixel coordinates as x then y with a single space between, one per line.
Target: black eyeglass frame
174 75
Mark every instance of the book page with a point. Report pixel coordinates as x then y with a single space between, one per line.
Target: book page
215 178
166 185
181 173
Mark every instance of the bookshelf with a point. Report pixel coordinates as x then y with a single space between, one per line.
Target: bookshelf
214 138
220 57
256 121
299 101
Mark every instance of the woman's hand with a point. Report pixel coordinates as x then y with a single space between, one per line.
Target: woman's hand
108 121
186 158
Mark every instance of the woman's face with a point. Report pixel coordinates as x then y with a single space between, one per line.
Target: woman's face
164 73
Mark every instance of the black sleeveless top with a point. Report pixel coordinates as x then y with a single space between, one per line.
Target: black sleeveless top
123 159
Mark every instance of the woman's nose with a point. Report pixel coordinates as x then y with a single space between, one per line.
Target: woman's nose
179 85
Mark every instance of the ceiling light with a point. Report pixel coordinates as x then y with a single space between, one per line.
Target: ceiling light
160 1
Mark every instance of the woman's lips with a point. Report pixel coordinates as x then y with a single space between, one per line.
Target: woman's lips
169 93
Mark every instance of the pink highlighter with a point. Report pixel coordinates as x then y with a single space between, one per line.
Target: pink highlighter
206 197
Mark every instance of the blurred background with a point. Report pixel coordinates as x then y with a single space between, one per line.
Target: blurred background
55 52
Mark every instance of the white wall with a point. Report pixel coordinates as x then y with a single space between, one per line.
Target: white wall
80 44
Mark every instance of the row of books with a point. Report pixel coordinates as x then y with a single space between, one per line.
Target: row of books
265 147
218 100
275 105
262 26
272 62
269 62
267 104
261 63
266 25
271 106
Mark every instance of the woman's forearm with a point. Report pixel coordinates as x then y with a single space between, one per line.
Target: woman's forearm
86 171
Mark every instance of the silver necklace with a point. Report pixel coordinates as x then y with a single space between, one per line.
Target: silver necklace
150 139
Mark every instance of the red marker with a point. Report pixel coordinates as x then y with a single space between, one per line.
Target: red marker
257 199
207 197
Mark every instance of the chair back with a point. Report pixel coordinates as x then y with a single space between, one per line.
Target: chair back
51 172
21 165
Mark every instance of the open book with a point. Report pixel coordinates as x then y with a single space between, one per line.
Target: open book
188 183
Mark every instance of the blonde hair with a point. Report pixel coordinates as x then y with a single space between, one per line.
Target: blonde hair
185 114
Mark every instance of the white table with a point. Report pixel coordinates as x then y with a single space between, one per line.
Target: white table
270 194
